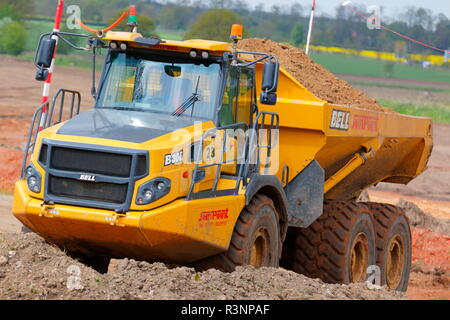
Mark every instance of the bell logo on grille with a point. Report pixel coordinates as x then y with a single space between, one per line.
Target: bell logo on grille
86 177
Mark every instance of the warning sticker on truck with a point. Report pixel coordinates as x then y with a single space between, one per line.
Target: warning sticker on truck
340 120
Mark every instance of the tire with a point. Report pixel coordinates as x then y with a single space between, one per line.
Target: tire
394 244
326 249
255 241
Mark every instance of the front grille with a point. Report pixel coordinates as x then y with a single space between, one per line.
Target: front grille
111 164
92 191
91 177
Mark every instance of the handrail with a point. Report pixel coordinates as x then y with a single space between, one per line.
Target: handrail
29 148
212 133
47 121
61 106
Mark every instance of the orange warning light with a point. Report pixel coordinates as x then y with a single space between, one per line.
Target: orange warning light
236 32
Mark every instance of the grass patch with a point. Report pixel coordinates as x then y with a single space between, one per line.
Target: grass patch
437 113
342 64
395 86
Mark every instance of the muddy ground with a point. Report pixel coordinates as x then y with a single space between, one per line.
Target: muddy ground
31 269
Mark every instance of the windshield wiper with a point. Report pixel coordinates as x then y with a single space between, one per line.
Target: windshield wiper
190 102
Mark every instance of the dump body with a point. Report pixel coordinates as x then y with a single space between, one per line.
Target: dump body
348 148
312 129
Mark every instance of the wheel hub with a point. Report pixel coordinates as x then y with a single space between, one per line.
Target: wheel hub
259 252
395 262
359 258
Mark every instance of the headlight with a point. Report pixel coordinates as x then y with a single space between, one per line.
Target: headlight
153 190
33 179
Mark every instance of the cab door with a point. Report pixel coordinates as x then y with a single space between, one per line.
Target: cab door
238 106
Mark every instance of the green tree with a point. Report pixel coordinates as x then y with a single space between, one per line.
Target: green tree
8 11
23 7
213 25
298 35
13 38
146 26
175 17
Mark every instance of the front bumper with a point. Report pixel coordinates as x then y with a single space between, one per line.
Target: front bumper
178 232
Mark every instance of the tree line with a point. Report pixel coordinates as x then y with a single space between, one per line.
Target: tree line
211 19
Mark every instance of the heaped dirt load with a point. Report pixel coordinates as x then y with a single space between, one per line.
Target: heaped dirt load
32 269
322 83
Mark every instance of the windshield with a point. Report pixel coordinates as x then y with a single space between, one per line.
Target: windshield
167 85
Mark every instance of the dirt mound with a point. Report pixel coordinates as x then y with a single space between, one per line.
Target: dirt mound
311 75
420 219
427 282
431 247
32 269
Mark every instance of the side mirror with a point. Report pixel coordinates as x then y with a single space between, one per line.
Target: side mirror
46 50
44 58
270 83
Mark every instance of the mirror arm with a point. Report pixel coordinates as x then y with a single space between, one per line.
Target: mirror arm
70 44
264 56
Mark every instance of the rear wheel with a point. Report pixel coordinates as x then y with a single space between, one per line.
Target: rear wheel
394 244
255 240
339 246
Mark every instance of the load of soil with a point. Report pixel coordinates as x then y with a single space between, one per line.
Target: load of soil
32 269
314 77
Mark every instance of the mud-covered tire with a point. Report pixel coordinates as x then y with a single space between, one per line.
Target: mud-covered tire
255 240
394 244
326 249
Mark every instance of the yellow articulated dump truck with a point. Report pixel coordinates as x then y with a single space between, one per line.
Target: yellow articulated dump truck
199 154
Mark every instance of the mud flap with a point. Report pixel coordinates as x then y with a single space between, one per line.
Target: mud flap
305 196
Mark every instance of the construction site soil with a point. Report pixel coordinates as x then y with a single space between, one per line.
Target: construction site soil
32 269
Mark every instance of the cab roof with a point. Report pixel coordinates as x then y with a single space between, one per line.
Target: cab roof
209 45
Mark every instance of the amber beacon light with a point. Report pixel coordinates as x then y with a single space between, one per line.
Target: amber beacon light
236 32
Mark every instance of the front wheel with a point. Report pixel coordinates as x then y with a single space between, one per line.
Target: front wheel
255 241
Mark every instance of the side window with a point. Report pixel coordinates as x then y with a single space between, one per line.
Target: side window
226 114
239 86
245 96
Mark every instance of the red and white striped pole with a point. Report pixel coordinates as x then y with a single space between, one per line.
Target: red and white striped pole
48 81
311 26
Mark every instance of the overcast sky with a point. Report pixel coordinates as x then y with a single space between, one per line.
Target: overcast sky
392 7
